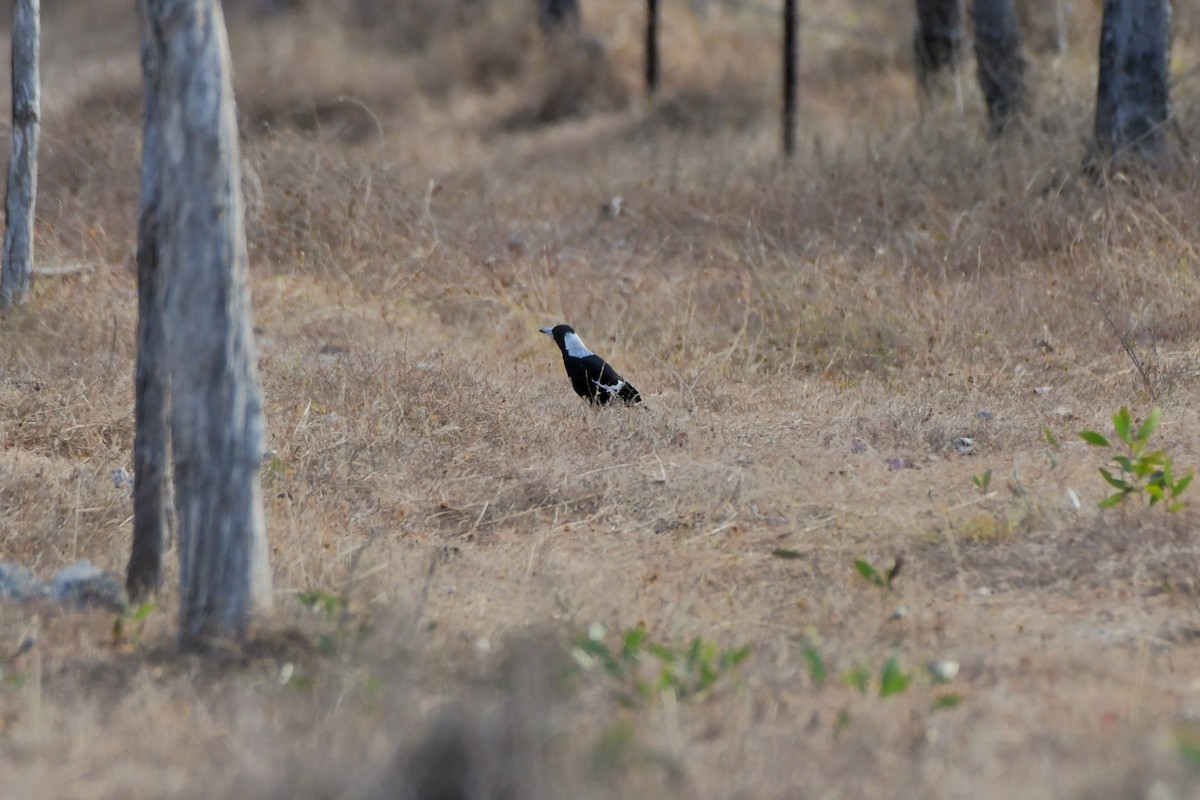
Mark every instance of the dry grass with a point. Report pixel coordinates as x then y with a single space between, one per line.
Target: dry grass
423 195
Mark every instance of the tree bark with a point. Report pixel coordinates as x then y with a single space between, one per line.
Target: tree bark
16 271
555 16
651 46
936 40
999 60
1132 95
790 63
193 217
144 573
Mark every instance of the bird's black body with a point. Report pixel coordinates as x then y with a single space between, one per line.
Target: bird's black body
591 376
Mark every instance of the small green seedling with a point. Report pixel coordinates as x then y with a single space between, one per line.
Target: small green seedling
320 600
857 678
892 679
874 577
982 481
685 673
816 665
130 626
1052 441
1139 471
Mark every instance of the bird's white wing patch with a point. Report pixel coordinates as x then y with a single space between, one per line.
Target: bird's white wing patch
575 346
611 389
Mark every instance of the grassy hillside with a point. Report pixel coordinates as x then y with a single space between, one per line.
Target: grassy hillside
457 540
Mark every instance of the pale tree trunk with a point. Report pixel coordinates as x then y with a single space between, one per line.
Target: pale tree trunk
1131 95
193 206
936 40
16 270
999 60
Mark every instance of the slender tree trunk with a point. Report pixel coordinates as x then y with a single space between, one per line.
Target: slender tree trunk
936 40
1132 95
193 206
651 47
144 574
999 60
556 16
790 62
17 268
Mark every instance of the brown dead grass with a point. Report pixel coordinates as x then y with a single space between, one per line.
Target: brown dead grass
798 330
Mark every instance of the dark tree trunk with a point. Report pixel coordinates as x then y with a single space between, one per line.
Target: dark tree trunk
1000 61
193 218
790 63
555 16
1132 96
16 270
936 40
651 46
144 573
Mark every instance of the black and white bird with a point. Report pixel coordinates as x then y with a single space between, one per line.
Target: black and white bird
591 376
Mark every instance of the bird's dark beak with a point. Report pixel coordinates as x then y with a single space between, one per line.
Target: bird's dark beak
547 331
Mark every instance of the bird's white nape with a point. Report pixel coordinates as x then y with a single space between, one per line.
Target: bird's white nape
575 347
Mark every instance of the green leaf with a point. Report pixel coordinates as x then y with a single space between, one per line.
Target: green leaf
1123 425
734 658
946 701
1125 463
1115 482
1182 484
892 680
1149 425
1094 439
868 572
816 665
857 678
1189 749
660 652
1050 440
143 611
786 554
632 646
1113 500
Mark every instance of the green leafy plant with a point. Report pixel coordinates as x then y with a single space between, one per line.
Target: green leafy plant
893 680
944 702
688 672
1139 470
982 481
320 600
876 578
816 665
336 613
857 678
1052 443
130 626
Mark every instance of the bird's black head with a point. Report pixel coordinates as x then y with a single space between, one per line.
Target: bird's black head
558 333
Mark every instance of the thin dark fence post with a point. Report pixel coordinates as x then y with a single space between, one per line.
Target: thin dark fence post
790 61
651 46
16 268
